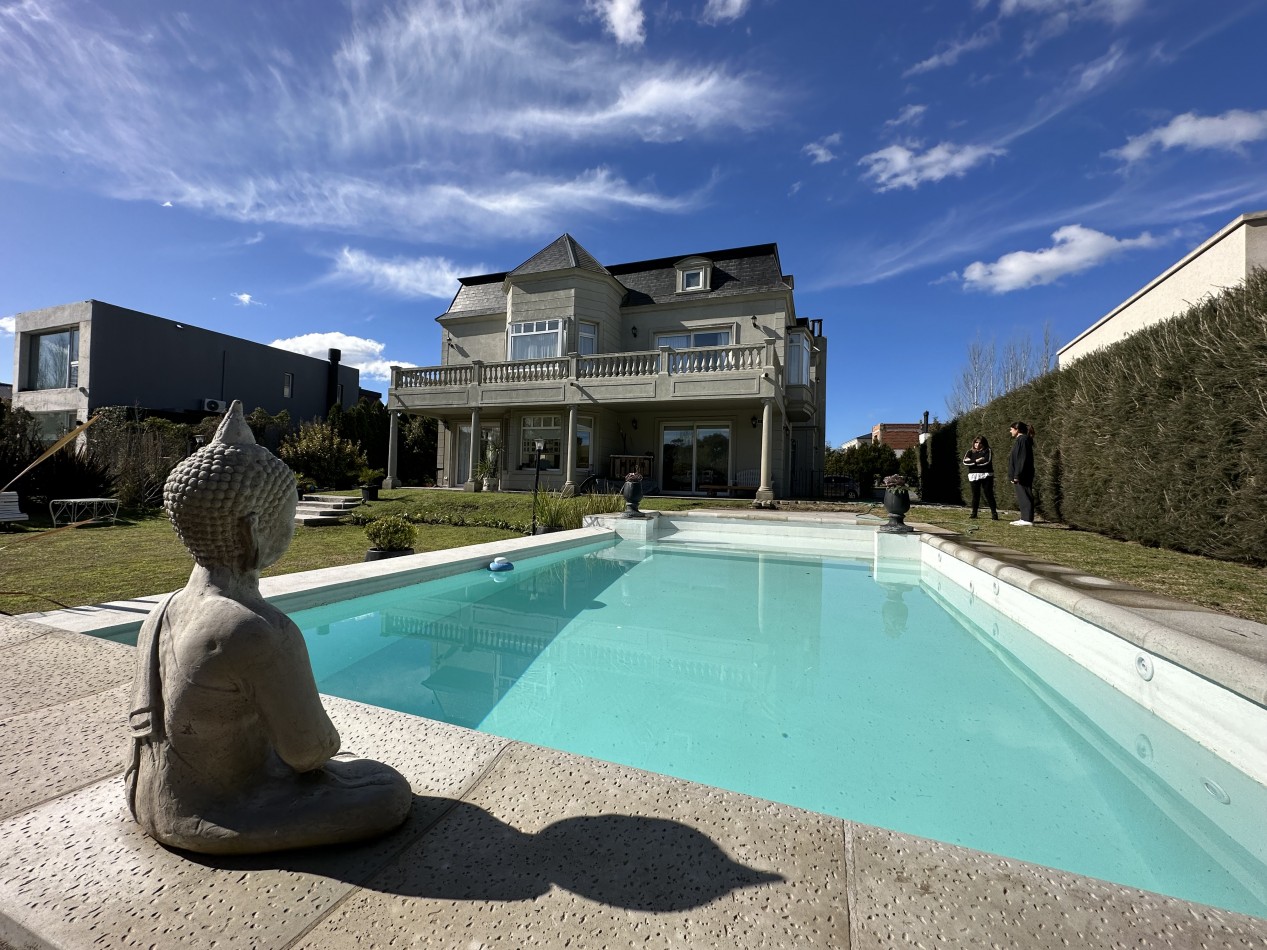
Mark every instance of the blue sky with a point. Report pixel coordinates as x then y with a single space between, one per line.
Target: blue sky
320 172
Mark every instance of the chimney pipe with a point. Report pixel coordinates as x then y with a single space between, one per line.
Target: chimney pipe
332 379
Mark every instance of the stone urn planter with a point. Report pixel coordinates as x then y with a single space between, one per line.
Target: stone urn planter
632 492
369 493
897 502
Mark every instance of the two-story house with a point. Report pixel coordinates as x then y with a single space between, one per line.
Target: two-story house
695 371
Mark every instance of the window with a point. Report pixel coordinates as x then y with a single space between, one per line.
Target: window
693 338
535 339
693 275
584 439
548 430
587 338
338 394
288 385
53 360
51 426
798 360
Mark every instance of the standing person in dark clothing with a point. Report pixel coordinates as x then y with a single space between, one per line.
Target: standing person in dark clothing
981 475
1020 469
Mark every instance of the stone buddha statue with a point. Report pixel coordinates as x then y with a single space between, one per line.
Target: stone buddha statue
233 752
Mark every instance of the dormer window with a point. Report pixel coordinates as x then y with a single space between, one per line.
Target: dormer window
693 275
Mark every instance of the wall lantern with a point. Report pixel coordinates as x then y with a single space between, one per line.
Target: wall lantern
755 422
634 331
633 424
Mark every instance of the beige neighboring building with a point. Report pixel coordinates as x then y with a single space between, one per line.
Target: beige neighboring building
694 370
1222 261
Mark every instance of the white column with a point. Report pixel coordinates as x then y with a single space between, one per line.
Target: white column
765 493
569 486
393 438
469 484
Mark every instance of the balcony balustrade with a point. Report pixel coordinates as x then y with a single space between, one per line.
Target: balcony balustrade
601 372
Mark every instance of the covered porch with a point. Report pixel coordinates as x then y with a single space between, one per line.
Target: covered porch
702 421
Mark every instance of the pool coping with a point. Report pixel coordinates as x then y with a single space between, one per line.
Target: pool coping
842 884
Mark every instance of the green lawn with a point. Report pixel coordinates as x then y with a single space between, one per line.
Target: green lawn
141 555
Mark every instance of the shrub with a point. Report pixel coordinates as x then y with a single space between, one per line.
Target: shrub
555 511
320 452
138 453
391 533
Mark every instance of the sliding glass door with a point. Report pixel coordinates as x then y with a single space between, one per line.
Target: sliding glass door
696 458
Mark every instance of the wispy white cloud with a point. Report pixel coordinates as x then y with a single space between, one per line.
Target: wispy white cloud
517 204
1227 132
821 152
8 325
450 81
255 238
898 166
986 36
401 276
166 204
1115 11
665 107
361 352
723 11
910 115
1074 249
246 300
623 19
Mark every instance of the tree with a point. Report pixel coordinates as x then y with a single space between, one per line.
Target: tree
865 462
988 374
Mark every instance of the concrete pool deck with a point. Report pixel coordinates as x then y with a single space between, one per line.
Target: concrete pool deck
516 846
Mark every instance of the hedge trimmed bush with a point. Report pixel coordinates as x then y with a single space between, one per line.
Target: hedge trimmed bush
1160 438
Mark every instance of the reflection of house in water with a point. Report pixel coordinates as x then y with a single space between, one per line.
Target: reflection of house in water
485 637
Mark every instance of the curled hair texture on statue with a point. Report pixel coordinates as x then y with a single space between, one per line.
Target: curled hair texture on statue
208 495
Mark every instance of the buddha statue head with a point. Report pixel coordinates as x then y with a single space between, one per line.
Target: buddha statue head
232 502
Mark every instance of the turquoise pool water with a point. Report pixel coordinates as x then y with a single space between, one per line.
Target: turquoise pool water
804 681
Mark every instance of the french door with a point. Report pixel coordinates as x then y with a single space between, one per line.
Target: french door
696 457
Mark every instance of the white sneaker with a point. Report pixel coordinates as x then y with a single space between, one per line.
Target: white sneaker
1022 523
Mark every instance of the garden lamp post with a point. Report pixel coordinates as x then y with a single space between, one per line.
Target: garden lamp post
536 484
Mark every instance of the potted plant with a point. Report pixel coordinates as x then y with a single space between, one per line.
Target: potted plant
552 512
489 466
389 536
897 502
304 485
632 491
371 480
485 475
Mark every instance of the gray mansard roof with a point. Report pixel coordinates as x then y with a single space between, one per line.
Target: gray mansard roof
738 270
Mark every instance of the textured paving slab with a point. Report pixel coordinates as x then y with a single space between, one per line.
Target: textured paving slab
13 631
79 873
553 850
61 748
58 666
912 892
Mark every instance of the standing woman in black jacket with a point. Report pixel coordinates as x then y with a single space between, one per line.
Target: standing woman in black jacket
981 475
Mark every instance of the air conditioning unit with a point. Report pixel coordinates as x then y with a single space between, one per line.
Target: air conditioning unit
214 405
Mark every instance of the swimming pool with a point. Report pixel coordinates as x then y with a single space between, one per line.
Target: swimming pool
833 683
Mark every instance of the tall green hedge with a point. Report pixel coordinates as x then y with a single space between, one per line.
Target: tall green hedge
1160 438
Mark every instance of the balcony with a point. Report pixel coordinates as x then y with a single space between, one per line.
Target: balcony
749 371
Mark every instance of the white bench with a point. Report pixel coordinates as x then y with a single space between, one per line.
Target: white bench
9 510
